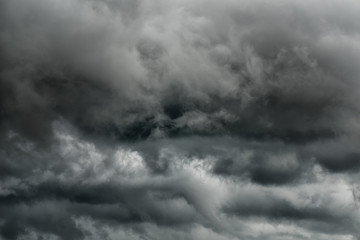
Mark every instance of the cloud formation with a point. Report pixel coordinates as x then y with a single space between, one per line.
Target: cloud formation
179 119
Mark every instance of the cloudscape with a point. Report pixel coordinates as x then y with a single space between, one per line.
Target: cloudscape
180 119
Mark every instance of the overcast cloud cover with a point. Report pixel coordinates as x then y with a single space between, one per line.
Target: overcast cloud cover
179 119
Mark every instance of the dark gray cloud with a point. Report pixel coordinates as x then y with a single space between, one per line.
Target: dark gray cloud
179 119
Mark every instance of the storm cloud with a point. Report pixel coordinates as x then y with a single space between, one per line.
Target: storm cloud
179 119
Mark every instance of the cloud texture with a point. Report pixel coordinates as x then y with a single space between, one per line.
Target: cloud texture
179 119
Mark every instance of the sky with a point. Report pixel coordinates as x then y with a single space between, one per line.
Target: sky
179 119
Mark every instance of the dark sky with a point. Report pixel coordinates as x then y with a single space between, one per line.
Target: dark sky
179 119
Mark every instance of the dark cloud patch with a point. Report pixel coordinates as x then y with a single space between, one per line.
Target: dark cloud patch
48 217
337 156
263 167
279 209
249 205
347 162
52 211
112 203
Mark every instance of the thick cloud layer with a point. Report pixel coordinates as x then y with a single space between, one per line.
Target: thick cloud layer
179 119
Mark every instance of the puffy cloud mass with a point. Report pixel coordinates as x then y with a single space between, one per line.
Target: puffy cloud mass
179 119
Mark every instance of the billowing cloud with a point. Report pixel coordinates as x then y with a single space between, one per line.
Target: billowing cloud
179 119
